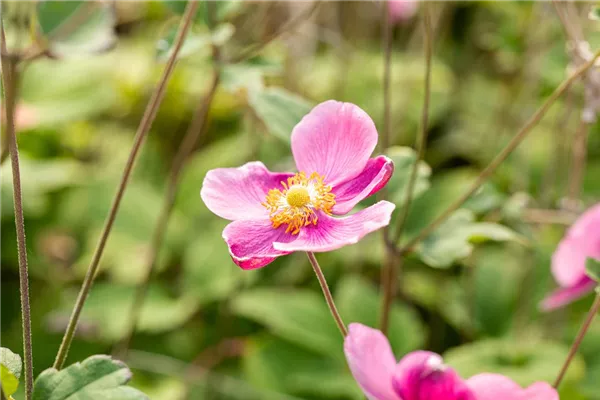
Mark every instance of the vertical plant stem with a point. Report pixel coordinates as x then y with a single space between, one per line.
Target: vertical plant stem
10 81
491 168
579 338
141 134
577 169
327 293
394 263
387 66
188 144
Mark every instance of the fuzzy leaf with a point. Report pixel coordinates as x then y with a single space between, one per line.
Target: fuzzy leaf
10 371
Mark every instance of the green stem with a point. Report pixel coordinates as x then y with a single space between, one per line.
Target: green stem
10 82
327 293
141 134
185 149
503 155
579 338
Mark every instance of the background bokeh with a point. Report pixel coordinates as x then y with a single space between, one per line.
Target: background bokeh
209 330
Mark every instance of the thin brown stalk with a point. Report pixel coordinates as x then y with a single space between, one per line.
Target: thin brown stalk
393 267
387 64
185 149
253 50
10 81
491 168
578 159
327 293
578 339
142 131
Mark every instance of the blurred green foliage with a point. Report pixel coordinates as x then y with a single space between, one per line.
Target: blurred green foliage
209 329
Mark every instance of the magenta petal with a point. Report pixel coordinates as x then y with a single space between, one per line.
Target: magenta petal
494 387
237 193
581 241
371 361
422 375
563 296
251 242
332 233
374 177
335 140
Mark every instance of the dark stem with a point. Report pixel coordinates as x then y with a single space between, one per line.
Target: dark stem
579 338
489 170
577 169
142 131
185 149
327 293
393 268
10 82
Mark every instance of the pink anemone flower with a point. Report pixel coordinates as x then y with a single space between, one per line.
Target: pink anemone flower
422 375
277 213
402 10
581 242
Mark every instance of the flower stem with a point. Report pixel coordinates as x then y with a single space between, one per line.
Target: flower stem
503 155
387 61
394 263
579 338
327 293
185 149
10 83
141 134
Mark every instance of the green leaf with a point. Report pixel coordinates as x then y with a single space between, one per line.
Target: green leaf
453 240
279 110
358 301
592 269
299 316
404 159
10 371
224 9
97 377
519 360
75 27
595 14
194 42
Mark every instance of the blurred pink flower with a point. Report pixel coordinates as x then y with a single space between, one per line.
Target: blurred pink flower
402 10
277 213
26 116
422 375
581 242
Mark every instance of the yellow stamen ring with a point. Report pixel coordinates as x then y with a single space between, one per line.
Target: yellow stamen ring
297 204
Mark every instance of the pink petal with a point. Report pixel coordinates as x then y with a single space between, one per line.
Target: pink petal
237 193
251 242
402 10
374 177
332 233
335 139
563 296
494 387
581 241
371 361
422 375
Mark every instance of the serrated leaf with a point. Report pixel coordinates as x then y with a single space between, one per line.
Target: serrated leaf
453 240
98 377
279 109
299 316
592 268
358 301
10 371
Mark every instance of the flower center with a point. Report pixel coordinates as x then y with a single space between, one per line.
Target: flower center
297 204
297 196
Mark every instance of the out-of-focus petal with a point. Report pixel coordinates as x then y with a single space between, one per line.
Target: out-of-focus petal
402 10
237 193
332 233
422 375
494 387
335 140
250 242
563 296
375 176
371 361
